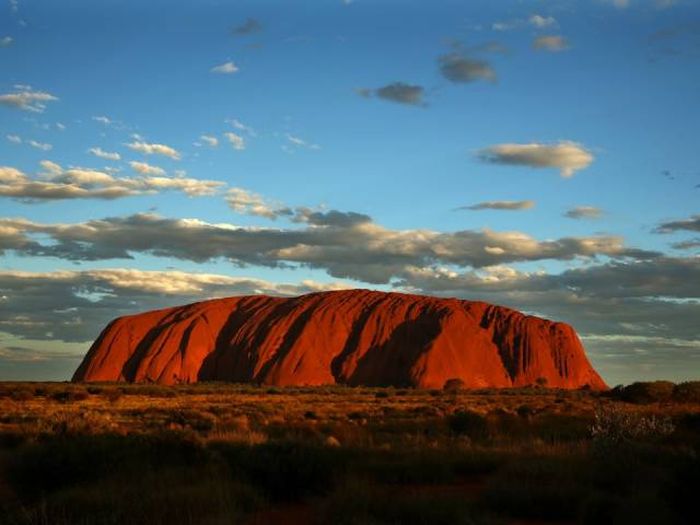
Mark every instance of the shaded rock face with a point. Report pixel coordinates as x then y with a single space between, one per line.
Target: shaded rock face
354 337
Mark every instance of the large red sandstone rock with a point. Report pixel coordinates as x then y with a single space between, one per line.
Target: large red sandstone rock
355 337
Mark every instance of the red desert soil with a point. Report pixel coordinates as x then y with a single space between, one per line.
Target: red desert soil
355 337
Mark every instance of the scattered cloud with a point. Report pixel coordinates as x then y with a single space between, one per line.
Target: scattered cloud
500 205
249 203
236 141
6 41
687 245
567 156
154 149
397 92
620 4
665 4
301 143
209 140
25 98
57 183
536 20
237 124
690 224
584 212
107 155
16 139
550 43
541 22
43 146
249 27
146 169
227 68
460 68
103 120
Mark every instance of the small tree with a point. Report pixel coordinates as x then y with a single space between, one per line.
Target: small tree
453 385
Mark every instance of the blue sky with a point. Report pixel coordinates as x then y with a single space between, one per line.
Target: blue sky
363 132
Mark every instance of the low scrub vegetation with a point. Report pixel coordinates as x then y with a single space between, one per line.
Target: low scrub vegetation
218 453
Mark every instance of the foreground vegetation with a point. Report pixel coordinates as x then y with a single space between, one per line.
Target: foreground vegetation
215 453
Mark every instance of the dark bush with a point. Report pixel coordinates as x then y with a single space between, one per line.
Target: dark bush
70 395
286 471
537 488
645 392
150 390
525 411
22 394
688 392
467 423
453 385
196 420
60 462
112 394
356 503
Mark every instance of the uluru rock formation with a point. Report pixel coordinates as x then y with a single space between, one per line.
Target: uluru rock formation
355 337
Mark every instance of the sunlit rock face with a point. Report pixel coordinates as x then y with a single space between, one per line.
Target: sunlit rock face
353 337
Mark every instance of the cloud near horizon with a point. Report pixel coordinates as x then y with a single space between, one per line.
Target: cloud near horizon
344 244
74 305
621 309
